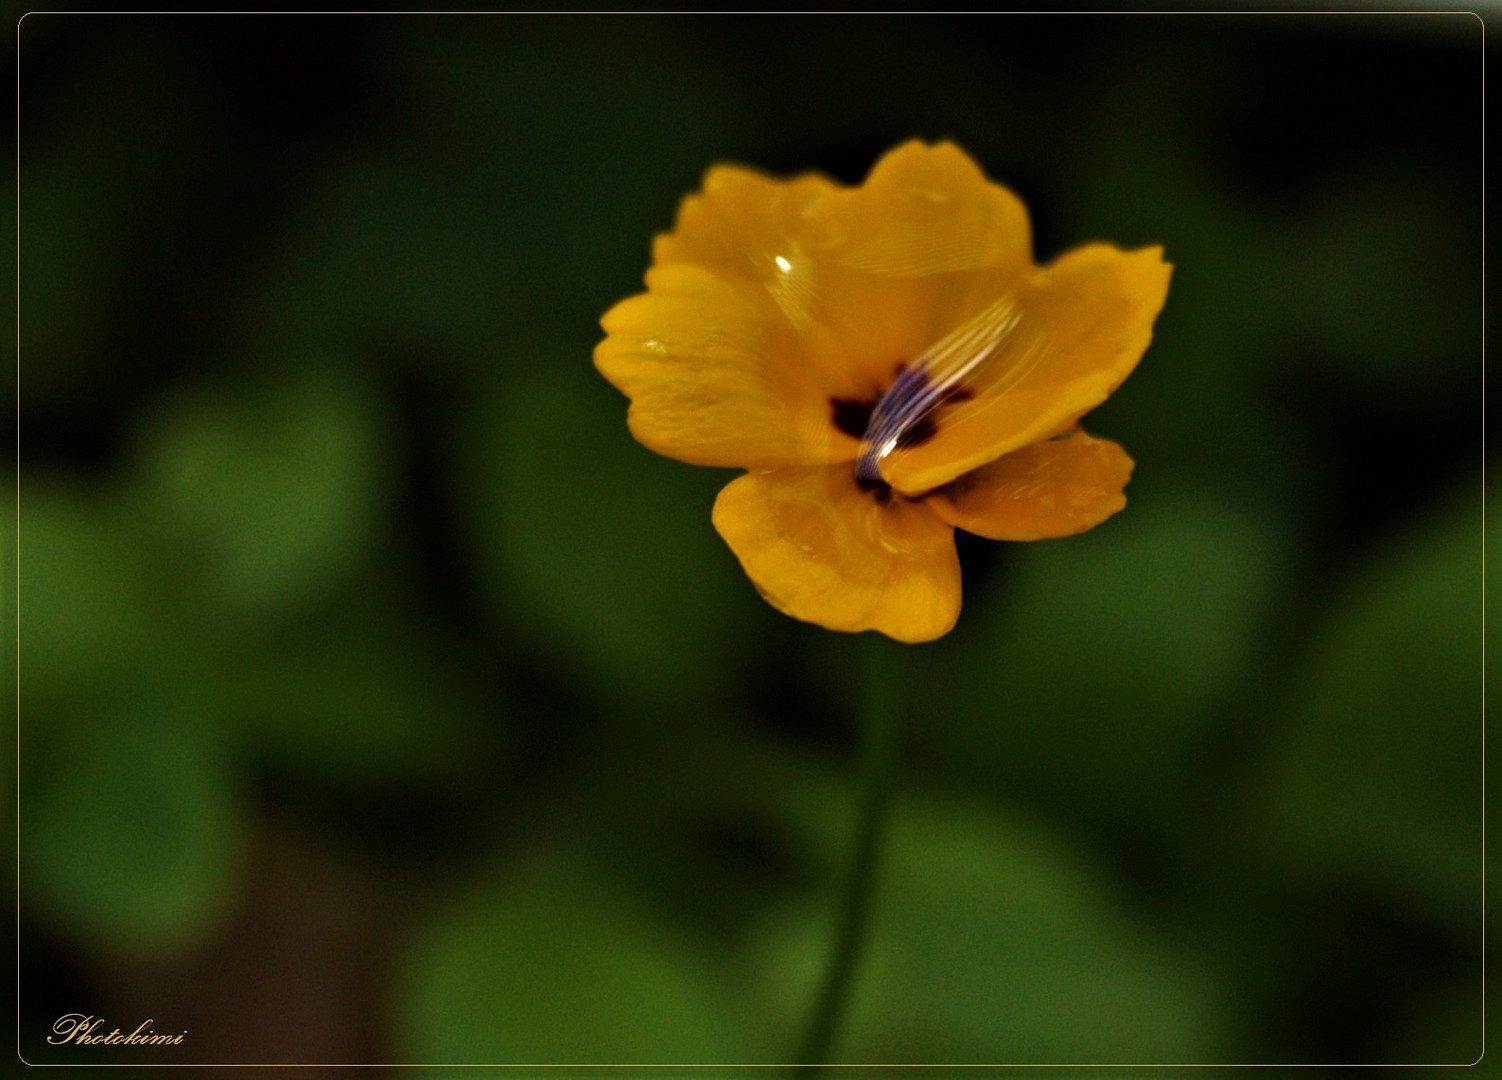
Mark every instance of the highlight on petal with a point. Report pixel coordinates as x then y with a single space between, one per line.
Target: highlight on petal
822 550
715 379
1084 323
1057 487
741 223
749 228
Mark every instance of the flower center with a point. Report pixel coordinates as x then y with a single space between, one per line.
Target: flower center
902 417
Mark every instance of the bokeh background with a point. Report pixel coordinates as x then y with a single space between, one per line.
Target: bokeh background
382 701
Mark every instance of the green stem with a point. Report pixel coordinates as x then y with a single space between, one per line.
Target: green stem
879 740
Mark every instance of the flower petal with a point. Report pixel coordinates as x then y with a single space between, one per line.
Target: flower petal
822 550
901 260
1057 487
715 378
923 210
1083 324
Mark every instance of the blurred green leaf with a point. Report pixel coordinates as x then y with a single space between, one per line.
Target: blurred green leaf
1377 777
603 551
549 964
128 818
87 610
1089 671
994 943
355 697
131 838
267 496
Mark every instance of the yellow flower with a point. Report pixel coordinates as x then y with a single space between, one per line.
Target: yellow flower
888 364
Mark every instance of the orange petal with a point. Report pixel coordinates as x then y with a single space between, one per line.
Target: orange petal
1057 487
922 210
922 245
715 378
822 550
751 229
1082 324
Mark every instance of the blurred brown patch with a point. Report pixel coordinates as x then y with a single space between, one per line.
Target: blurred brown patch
298 976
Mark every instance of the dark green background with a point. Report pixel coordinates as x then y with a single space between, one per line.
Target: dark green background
381 700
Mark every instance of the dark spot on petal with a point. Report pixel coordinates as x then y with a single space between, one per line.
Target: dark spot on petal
851 417
879 490
954 395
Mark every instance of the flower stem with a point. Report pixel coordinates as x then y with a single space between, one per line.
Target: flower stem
879 740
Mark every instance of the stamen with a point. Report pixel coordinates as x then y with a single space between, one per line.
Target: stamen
903 416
